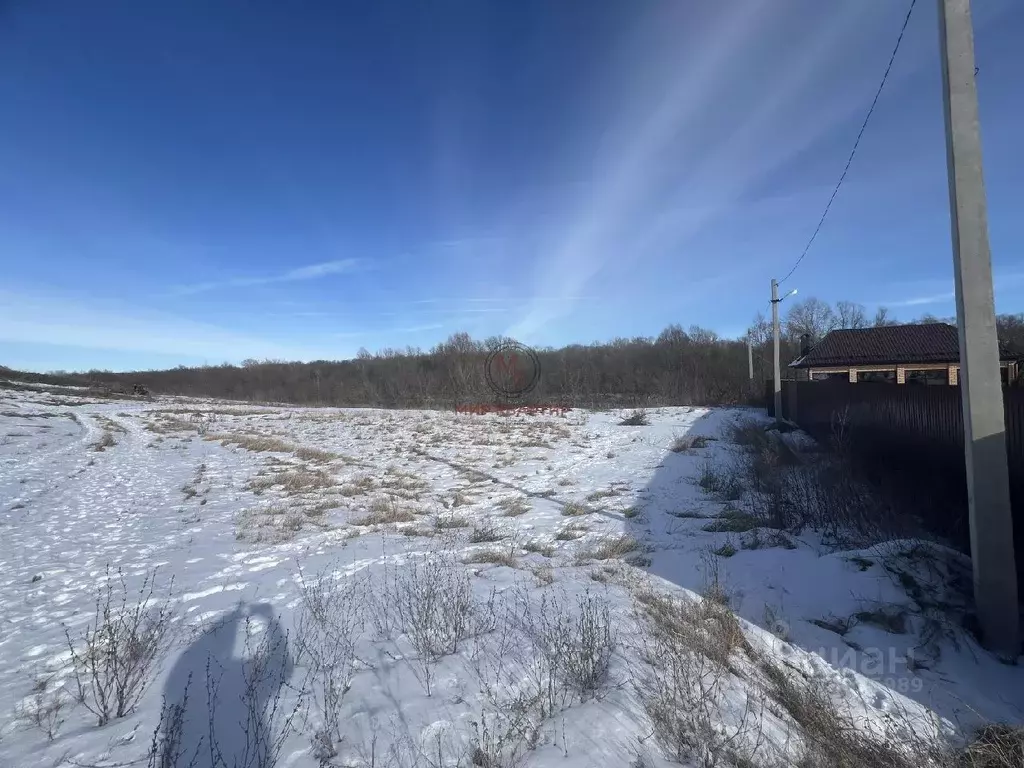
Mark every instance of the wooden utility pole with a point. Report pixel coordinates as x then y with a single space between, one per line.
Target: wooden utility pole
988 491
777 375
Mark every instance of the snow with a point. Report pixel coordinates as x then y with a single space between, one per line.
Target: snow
234 552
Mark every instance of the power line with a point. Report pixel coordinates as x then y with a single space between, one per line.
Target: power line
856 143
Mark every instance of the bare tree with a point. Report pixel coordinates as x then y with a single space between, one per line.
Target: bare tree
811 316
882 318
849 314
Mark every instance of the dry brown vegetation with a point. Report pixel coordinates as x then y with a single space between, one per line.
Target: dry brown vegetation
444 522
106 441
358 486
255 443
570 531
383 511
315 454
540 547
268 525
575 509
608 548
513 506
492 556
292 482
690 443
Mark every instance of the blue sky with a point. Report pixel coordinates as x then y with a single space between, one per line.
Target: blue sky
196 182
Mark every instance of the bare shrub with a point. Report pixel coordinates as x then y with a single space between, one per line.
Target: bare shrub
168 747
572 648
449 521
433 600
995 746
503 738
588 658
118 653
328 625
263 717
637 418
486 532
46 706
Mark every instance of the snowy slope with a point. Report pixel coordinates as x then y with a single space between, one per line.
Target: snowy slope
240 509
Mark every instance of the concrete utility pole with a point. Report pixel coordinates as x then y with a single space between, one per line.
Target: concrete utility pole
750 357
777 377
988 491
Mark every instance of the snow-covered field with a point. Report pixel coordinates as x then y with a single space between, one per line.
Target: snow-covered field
369 587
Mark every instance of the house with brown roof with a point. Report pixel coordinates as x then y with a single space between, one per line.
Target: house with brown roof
901 354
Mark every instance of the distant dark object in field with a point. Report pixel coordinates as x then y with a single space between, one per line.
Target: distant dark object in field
637 418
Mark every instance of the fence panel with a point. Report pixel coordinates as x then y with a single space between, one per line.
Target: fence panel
916 431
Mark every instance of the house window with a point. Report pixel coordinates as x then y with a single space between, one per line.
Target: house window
887 377
933 378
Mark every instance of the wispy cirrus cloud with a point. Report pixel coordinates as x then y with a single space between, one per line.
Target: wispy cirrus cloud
920 301
616 220
309 272
384 331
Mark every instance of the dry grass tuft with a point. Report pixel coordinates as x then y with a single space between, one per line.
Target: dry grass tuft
449 521
294 482
268 525
255 443
485 532
513 506
689 443
609 548
384 511
359 486
702 624
106 441
493 556
571 531
575 509
540 547
315 454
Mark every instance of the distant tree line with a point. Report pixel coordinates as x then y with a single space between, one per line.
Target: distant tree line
692 366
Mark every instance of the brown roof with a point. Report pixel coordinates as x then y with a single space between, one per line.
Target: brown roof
891 344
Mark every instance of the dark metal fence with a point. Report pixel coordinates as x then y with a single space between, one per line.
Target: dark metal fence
912 431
